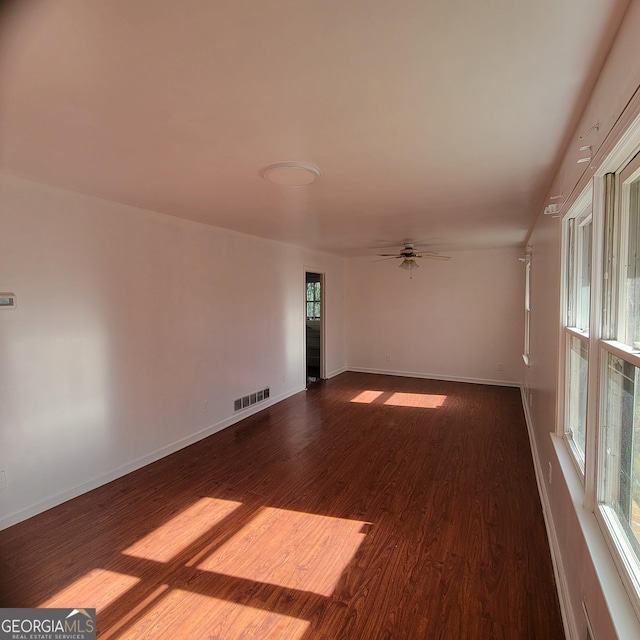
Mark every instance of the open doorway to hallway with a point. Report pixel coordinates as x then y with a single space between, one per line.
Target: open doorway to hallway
314 322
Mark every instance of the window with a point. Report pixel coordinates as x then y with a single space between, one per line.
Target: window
599 392
583 273
579 235
527 305
630 254
618 491
576 390
313 300
578 249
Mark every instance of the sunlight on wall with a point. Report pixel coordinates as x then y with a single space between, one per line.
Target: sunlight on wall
290 549
422 400
367 397
97 589
180 614
165 542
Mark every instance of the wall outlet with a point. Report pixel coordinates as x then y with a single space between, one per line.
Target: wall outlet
500 366
205 407
3 479
388 358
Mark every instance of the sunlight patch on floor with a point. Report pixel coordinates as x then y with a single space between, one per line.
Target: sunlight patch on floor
367 397
165 542
181 614
420 400
399 399
95 590
290 549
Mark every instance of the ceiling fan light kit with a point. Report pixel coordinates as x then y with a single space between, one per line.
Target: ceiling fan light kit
409 254
409 263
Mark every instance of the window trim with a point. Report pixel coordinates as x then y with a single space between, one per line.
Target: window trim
629 173
612 531
605 331
527 305
580 213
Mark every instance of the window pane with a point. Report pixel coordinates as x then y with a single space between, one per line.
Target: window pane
527 310
584 277
631 291
620 454
577 396
571 252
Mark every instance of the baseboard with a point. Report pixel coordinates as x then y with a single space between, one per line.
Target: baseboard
119 472
435 376
335 373
568 618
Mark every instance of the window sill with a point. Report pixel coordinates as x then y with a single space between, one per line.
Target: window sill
622 351
576 455
583 334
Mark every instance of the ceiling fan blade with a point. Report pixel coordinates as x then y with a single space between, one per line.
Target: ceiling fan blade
390 257
433 256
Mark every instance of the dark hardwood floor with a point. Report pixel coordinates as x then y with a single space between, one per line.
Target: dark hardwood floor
366 507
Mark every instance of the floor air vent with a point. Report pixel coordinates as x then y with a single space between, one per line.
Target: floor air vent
251 399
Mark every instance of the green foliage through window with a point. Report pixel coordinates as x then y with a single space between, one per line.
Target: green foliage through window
313 301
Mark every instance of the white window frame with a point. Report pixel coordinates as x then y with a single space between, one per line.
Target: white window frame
605 331
629 173
527 306
578 215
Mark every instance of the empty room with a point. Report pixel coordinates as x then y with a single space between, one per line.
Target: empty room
318 319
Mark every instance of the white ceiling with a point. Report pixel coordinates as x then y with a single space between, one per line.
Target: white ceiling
439 121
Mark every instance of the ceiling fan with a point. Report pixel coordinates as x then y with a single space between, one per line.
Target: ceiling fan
409 255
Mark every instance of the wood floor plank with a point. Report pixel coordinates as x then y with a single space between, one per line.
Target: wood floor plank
366 507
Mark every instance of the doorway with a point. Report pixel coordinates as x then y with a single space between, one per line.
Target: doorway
314 322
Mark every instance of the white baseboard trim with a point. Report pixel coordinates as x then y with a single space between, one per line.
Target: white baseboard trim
568 618
435 376
335 373
134 465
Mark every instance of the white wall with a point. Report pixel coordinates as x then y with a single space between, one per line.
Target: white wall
586 571
457 320
127 321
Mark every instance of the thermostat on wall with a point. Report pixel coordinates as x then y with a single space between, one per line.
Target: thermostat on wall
7 300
